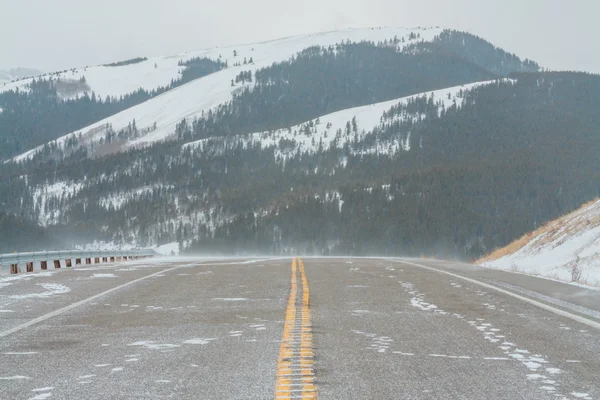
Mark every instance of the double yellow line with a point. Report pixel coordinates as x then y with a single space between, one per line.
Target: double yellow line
295 368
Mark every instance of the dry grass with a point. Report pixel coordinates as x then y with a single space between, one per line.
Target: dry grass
563 226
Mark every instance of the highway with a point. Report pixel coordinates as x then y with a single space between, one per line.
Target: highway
283 328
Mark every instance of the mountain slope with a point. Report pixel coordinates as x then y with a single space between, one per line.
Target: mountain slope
151 72
6 76
470 177
395 146
339 128
201 95
567 249
156 118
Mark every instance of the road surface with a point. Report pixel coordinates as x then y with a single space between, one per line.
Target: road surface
327 328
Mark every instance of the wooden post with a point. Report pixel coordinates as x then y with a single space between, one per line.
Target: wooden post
30 266
44 265
57 264
14 268
68 263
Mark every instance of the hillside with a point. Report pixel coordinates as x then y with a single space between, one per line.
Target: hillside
14 74
157 93
402 142
566 249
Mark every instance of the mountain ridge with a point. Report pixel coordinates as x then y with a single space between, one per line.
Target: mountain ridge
351 148
120 121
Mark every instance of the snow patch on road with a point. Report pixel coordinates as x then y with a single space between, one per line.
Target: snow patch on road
26 277
153 345
44 389
104 276
14 378
52 289
379 343
199 341
41 396
230 299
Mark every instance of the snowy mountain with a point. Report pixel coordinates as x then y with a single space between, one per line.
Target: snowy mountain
566 249
364 141
156 118
330 131
151 72
160 115
14 74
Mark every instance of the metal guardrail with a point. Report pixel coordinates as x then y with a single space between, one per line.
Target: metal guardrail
98 256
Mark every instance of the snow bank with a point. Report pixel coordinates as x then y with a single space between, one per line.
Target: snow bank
170 249
567 249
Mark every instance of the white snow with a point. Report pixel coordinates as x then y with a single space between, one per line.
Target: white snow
41 396
568 241
153 345
44 389
52 289
367 118
116 200
200 95
104 276
15 377
26 277
56 190
199 341
168 249
231 299
159 71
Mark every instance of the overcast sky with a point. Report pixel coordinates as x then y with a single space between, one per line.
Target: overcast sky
59 34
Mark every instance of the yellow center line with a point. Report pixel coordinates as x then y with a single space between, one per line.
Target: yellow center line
295 368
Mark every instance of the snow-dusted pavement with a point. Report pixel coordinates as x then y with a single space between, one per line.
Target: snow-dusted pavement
212 329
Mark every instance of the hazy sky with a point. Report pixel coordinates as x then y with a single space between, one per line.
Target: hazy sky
58 34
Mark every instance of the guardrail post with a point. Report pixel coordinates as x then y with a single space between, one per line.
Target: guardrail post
55 257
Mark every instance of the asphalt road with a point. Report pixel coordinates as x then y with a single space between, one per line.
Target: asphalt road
332 328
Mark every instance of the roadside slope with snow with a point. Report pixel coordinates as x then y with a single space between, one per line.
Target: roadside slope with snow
201 95
566 249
